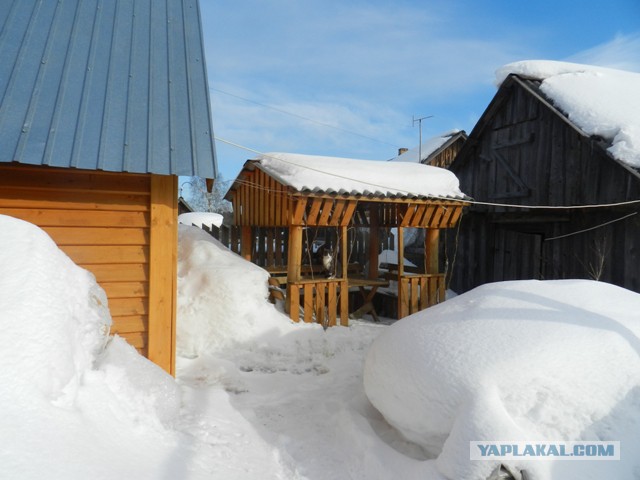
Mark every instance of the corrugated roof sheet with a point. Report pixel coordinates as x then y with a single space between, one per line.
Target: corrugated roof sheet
312 174
116 85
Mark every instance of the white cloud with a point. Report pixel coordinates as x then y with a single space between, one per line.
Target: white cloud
623 52
365 67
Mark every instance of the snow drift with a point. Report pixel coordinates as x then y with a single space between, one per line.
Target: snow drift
53 314
530 360
222 298
74 402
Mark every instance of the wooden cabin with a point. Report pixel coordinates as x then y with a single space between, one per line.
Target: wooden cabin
101 108
524 150
437 151
446 153
280 201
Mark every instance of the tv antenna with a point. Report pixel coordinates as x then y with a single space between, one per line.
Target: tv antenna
419 120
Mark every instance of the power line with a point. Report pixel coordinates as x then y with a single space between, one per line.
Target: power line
591 228
467 200
302 117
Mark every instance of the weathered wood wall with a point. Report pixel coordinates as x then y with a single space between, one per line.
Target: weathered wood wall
527 154
448 155
103 221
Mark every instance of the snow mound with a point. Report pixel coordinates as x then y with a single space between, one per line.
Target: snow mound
517 361
222 298
53 315
76 404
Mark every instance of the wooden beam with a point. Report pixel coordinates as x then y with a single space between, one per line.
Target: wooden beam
432 240
337 212
163 271
344 288
298 210
348 213
294 259
344 251
246 243
327 209
400 251
374 240
314 211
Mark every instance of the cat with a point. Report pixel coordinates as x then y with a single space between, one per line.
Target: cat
328 262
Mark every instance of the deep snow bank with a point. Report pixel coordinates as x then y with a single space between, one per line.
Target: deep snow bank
74 403
53 316
221 298
530 360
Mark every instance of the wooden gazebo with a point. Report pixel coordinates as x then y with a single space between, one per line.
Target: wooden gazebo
278 198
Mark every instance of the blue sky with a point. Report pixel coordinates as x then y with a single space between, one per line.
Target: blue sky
345 78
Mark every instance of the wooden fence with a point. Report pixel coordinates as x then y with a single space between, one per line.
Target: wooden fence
419 291
320 301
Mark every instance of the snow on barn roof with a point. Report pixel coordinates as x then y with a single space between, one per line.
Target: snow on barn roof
318 174
429 147
600 101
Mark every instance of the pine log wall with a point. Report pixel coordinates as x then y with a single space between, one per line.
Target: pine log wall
102 221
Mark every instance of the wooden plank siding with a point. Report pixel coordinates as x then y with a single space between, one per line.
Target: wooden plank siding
419 291
524 152
261 201
105 223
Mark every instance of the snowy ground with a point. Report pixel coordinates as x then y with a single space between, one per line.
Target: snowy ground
259 397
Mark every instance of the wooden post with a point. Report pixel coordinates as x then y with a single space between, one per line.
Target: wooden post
163 253
294 261
344 248
246 243
374 240
400 251
344 285
431 244
402 291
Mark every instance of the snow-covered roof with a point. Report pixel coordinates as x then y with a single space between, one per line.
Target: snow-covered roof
428 148
600 101
200 218
318 174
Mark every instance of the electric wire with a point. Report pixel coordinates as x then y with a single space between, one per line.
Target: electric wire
591 228
302 117
437 197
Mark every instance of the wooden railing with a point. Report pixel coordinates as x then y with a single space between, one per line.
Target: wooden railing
419 291
319 300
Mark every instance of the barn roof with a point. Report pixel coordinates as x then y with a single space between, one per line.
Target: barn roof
431 147
599 101
534 87
345 176
105 85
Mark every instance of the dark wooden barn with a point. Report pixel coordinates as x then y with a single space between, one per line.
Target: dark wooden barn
526 151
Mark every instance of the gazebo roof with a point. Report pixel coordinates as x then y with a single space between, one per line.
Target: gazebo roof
313 174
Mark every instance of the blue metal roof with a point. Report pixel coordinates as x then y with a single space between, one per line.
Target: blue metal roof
116 85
